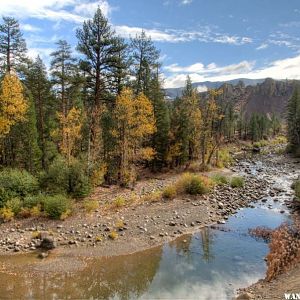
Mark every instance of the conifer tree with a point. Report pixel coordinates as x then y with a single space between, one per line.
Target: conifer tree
12 45
293 121
62 73
101 49
144 61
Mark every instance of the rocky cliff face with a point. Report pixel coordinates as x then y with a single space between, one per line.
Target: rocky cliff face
268 96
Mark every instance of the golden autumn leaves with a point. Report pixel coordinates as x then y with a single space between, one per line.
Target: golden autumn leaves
13 105
134 119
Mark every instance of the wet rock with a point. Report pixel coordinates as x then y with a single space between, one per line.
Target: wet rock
244 296
43 255
48 243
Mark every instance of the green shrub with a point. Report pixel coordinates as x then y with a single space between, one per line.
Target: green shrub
14 204
237 182
79 184
224 158
296 187
62 178
55 206
169 192
56 179
16 183
32 201
193 184
220 179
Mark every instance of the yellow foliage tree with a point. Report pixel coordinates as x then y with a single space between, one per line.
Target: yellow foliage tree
13 105
134 119
69 132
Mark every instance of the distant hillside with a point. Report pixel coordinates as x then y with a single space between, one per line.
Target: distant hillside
174 92
262 95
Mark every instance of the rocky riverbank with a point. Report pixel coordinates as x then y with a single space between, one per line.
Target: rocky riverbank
132 228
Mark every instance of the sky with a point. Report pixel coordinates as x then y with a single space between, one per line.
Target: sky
212 40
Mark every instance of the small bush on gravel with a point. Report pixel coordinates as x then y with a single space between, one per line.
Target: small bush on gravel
152 197
16 183
15 204
237 182
90 205
296 187
119 201
113 235
56 206
62 178
220 179
169 192
6 214
194 184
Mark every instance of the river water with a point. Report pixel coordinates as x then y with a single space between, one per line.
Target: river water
210 264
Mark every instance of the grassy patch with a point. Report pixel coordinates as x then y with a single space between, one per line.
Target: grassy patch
169 192
296 187
237 182
90 205
193 184
220 179
119 201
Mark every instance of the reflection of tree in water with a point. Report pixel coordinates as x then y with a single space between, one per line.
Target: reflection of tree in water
207 240
124 277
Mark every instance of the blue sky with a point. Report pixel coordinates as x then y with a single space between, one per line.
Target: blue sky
207 39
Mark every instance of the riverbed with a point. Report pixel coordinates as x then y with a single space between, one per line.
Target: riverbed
210 264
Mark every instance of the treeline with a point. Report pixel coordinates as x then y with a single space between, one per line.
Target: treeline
293 122
99 118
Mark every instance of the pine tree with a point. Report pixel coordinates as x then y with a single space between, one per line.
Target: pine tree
186 126
101 50
160 140
40 87
293 121
12 45
144 61
24 149
62 73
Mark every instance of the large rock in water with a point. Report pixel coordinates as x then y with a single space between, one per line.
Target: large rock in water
244 296
48 243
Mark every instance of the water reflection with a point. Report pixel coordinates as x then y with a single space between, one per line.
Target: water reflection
210 264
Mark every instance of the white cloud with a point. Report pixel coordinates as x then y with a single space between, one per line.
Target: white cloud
30 28
204 34
262 46
186 2
212 68
280 69
54 10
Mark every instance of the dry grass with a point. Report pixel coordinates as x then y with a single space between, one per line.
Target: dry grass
284 249
169 192
113 235
90 205
261 232
193 184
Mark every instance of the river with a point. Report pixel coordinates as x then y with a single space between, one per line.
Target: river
210 264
